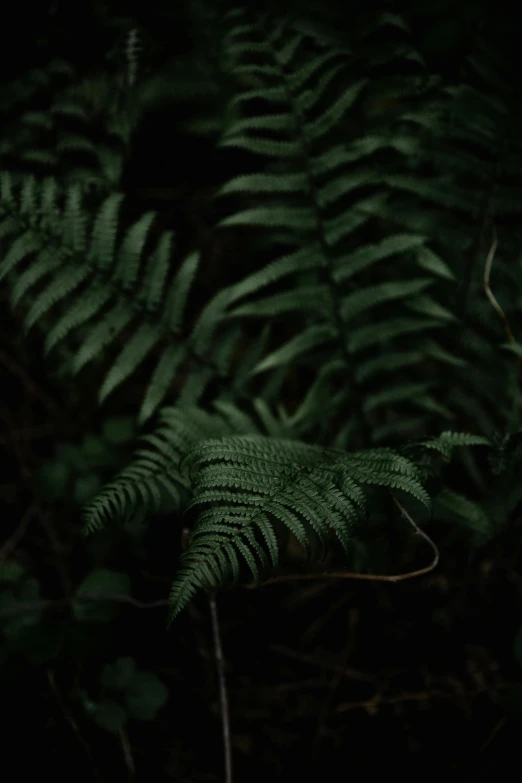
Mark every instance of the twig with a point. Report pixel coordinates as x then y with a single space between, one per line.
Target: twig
378 700
333 685
419 696
127 753
489 293
494 303
367 577
494 733
32 606
8 546
223 696
335 668
70 720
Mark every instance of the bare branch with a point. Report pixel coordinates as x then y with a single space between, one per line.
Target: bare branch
33 606
489 293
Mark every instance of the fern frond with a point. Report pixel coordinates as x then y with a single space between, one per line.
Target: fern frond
317 199
93 281
246 487
467 512
447 441
153 482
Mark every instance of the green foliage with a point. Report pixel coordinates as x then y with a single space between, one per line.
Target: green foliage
80 261
244 485
103 585
26 629
23 633
343 337
84 468
126 692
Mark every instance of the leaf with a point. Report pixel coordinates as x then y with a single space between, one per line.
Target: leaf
117 676
10 571
248 488
109 715
95 449
145 695
39 643
514 347
119 430
26 591
53 479
86 487
100 580
469 513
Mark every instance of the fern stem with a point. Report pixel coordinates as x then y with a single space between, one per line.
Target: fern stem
223 696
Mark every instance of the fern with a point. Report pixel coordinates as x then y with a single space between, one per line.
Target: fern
447 442
153 481
245 486
351 335
331 195
467 513
104 284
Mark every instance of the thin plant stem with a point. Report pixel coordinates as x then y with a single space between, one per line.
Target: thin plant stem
223 696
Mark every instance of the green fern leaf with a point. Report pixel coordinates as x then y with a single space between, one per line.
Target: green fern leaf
153 481
269 483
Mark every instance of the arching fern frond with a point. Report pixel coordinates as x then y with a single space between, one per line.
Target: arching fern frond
466 513
91 279
153 482
247 488
324 191
75 130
